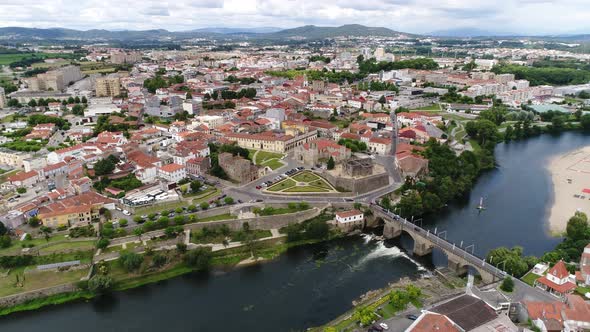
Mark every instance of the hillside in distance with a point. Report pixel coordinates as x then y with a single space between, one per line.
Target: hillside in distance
309 32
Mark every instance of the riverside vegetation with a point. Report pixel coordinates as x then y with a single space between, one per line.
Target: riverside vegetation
134 269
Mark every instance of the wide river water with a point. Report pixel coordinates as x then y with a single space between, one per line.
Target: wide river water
311 285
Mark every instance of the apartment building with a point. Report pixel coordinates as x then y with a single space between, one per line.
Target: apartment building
108 87
272 142
2 98
13 158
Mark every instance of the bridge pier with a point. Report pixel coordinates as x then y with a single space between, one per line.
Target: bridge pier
392 230
421 247
460 266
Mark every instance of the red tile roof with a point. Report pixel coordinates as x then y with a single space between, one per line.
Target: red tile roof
171 168
346 214
559 270
434 322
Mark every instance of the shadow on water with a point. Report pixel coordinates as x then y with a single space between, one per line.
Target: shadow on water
105 303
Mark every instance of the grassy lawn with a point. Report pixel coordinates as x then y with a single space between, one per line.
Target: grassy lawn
431 108
306 177
583 290
454 117
285 184
16 246
475 145
159 207
263 156
320 184
112 249
530 278
5 175
306 189
202 193
96 67
218 217
70 245
459 134
207 196
273 164
37 280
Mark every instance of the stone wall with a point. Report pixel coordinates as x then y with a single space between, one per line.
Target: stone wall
265 223
12 300
358 185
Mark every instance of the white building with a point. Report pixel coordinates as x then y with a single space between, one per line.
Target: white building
172 172
349 220
211 121
349 216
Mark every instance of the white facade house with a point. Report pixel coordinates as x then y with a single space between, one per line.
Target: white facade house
172 172
349 216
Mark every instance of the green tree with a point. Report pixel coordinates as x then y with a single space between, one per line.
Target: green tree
104 167
364 315
507 285
331 163
5 241
228 200
34 221
123 222
102 243
100 283
509 133
411 205
557 124
204 205
3 229
130 261
585 122
577 227
198 259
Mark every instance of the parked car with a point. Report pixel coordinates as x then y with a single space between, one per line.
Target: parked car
127 213
411 317
384 326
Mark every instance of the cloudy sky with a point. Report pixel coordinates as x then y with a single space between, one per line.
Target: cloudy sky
519 16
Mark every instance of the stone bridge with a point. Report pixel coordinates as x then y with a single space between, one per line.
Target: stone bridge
459 260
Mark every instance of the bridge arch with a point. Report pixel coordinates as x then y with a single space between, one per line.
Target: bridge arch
461 266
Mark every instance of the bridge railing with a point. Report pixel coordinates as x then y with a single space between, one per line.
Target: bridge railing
443 243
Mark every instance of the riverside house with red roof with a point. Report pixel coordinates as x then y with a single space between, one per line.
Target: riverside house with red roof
350 219
558 281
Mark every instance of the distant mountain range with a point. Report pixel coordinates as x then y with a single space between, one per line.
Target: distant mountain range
470 32
309 32
238 30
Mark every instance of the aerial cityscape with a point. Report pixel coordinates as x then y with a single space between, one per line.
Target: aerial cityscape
277 165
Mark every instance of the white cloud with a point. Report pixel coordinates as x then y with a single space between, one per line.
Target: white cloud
521 16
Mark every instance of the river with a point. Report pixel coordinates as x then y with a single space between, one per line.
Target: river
311 285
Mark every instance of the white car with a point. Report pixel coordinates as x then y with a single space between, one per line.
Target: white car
384 326
127 213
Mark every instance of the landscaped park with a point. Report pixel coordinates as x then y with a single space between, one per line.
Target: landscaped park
303 182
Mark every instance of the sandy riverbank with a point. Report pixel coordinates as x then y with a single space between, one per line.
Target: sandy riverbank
570 174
